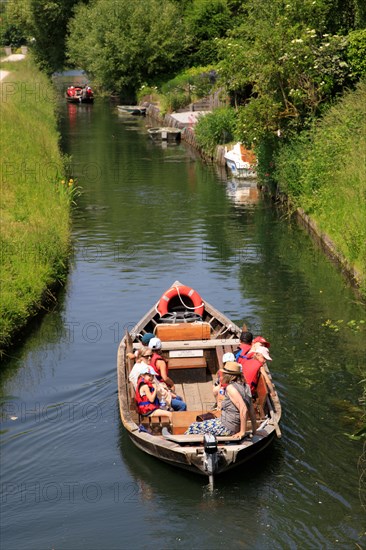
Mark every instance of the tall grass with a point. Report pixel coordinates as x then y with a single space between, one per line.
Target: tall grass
35 205
324 172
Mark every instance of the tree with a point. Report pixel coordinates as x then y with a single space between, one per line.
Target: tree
357 52
15 23
283 56
206 20
50 20
123 44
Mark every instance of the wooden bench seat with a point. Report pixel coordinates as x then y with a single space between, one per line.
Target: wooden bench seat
186 363
194 344
156 423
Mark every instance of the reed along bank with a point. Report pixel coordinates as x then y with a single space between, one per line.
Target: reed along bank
36 198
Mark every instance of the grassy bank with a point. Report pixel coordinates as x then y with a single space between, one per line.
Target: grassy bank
324 173
35 204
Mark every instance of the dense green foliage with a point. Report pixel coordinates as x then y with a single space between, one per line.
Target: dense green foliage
282 66
126 43
35 203
41 23
14 24
357 52
186 87
323 171
215 128
206 20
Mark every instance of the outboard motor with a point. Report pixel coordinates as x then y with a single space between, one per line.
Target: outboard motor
211 460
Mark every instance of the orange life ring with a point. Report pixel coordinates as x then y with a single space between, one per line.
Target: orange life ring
181 291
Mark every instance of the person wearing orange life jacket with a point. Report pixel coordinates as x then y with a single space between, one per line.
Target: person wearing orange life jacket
146 396
159 364
248 344
246 339
253 367
164 393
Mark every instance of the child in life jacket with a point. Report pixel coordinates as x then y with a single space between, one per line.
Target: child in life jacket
146 396
164 393
219 388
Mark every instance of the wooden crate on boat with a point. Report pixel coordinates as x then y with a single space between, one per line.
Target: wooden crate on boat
184 331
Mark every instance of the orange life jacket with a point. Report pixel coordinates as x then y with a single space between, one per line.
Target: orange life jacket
144 405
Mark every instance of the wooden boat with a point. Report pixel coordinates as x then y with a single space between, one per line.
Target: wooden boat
136 110
240 161
165 134
194 338
79 94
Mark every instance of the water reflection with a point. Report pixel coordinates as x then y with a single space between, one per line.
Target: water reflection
242 192
218 513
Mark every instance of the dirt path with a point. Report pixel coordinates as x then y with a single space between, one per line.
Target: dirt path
12 57
3 74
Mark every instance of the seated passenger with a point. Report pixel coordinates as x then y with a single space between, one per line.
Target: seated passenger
253 367
146 396
257 342
164 392
219 388
246 339
140 364
159 364
146 338
235 407
262 341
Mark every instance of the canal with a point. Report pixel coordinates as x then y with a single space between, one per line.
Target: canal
147 215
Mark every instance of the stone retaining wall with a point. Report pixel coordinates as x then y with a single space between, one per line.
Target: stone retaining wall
187 133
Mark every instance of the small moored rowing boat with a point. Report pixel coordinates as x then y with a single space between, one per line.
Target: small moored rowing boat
136 110
194 338
165 134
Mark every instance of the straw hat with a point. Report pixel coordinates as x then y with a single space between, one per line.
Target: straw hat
232 368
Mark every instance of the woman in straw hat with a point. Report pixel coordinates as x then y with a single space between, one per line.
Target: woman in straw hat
219 388
234 408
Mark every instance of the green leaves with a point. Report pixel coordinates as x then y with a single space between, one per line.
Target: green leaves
215 128
357 52
282 66
123 44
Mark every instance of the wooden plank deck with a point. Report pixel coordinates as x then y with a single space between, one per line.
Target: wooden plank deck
198 395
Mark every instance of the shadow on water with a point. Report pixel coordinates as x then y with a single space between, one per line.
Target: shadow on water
155 476
42 330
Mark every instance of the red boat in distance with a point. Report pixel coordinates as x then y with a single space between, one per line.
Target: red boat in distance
79 94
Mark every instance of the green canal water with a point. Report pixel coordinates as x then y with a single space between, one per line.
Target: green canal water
146 216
